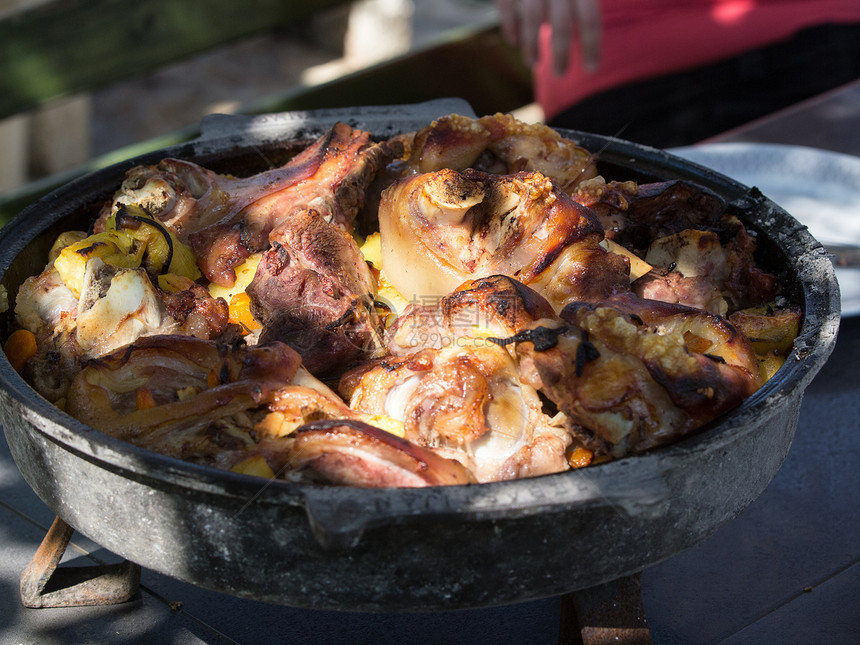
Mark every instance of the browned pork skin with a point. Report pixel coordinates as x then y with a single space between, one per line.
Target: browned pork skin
634 216
499 144
497 305
713 269
205 402
440 229
225 218
353 453
465 401
702 257
314 292
116 306
498 301
640 373
700 332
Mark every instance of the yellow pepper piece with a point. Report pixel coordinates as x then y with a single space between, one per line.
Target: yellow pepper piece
254 465
184 263
63 240
112 247
161 250
244 274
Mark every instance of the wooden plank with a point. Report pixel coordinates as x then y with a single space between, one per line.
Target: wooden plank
67 46
475 64
14 201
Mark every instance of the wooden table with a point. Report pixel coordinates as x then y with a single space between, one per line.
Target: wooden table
784 571
787 570
830 121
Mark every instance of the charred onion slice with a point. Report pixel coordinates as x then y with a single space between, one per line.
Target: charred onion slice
193 382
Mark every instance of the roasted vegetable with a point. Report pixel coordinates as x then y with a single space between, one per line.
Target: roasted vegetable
133 238
240 312
20 347
112 247
769 328
254 465
159 249
244 274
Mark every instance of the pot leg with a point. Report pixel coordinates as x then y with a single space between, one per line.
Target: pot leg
609 613
43 584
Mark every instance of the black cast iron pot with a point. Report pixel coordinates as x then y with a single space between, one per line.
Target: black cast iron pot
410 549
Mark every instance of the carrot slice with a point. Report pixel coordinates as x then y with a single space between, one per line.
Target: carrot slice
144 399
580 457
20 347
240 312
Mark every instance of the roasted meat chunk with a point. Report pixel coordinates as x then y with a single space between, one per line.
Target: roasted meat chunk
453 382
710 269
101 303
182 396
215 403
498 144
443 228
465 402
314 291
226 218
650 211
640 373
345 451
495 306
701 255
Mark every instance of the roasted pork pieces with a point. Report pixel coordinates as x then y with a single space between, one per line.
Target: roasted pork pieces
440 229
226 218
497 144
470 302
314 291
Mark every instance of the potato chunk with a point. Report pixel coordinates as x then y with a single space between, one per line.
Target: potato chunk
769 328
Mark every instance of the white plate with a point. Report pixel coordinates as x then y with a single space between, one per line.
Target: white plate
820 189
